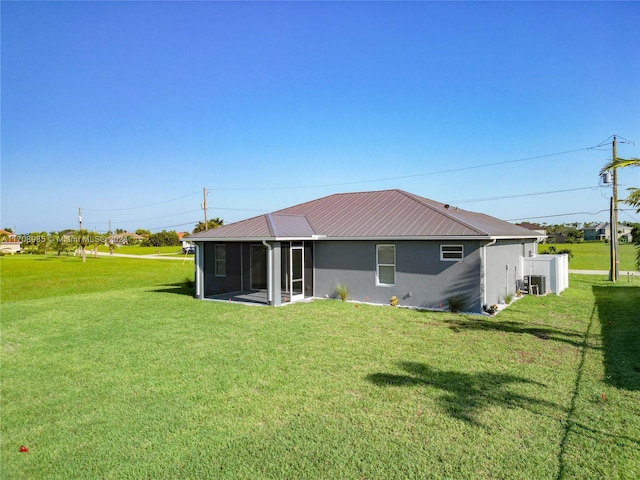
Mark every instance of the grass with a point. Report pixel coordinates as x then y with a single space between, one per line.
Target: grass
595 255
143 381
29 277
140 250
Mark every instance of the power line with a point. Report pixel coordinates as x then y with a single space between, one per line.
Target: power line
102 222
438 172
523 195
154 218
257 210
634 219
504 197
562 215
139 206
357 182
402 177
195 222
119 222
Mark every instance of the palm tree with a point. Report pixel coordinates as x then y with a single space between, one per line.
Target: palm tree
58 241
82 238
633 198
213 223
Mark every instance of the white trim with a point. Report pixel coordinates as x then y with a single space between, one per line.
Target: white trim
451 259
440 238
269 270
199 270
483 270
378 265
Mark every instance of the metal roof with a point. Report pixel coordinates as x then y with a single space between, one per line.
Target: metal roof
380 214
287 225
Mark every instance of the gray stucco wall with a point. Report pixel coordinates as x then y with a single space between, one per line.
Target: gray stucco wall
422 279
502 264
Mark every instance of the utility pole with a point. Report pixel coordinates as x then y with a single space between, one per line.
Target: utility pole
204 205
80 234
614 275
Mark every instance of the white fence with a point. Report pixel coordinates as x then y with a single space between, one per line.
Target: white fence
555 269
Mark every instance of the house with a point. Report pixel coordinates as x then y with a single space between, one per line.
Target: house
10 243
534 227
602 232
376 244
124 238
624 233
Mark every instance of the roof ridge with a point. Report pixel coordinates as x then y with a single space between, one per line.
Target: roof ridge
340 194
270 223
421 200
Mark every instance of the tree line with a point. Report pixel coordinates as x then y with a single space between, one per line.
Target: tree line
574 232
66 241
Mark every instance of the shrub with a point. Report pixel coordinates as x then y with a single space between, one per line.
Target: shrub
508 298
491 309
162 239
553 251
457 303
341 291
567 251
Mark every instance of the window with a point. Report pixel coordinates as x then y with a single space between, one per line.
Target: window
451 253
386 260
220 255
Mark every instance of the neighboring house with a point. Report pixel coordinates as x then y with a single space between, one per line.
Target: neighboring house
534 227
557 238
124 238
10 243
602 232
624 232
376 244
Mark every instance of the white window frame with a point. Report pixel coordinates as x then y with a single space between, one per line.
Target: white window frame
459 252
378 265
220 263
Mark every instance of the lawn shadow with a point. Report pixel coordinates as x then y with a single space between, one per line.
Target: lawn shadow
542 332
51 258
465 394
180 288
619 313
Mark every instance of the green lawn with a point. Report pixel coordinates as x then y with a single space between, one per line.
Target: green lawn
140 250
595 255
28 277
118 380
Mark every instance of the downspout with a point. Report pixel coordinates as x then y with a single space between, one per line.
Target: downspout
198 275
484 270
269 273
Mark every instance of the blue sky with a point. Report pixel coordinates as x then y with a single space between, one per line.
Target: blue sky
128 109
